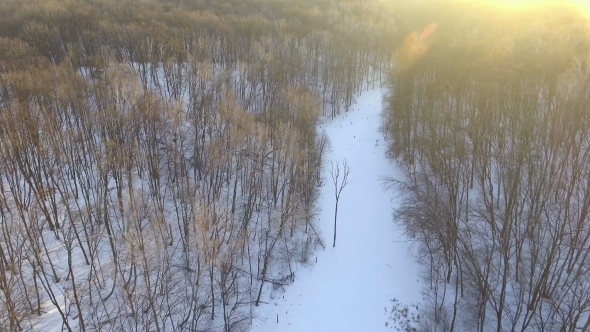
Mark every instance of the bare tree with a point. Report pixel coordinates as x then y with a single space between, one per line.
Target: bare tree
339 185
149 179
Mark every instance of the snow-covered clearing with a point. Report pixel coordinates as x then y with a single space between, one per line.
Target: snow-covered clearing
352 285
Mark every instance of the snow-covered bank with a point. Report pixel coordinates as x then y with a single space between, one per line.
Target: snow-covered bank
351 286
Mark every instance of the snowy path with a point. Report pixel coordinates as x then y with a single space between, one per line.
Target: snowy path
352 284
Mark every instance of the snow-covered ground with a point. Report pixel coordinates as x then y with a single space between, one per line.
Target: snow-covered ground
352 285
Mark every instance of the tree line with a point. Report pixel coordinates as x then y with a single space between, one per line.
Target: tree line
159 160
491 129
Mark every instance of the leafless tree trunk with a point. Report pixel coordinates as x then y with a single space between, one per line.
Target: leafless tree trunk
340 177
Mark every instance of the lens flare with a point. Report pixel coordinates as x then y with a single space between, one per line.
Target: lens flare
414 47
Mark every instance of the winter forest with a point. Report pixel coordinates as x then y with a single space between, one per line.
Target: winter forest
161 160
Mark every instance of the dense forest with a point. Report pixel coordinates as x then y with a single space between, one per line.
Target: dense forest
160 160
491 127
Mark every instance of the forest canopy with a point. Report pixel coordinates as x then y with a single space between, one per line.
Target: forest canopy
491 125
159 160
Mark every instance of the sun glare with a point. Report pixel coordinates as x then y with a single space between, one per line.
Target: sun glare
519 5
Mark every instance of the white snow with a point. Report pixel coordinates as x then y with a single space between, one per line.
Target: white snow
352 285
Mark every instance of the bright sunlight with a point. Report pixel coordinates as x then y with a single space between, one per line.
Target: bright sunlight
520 5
